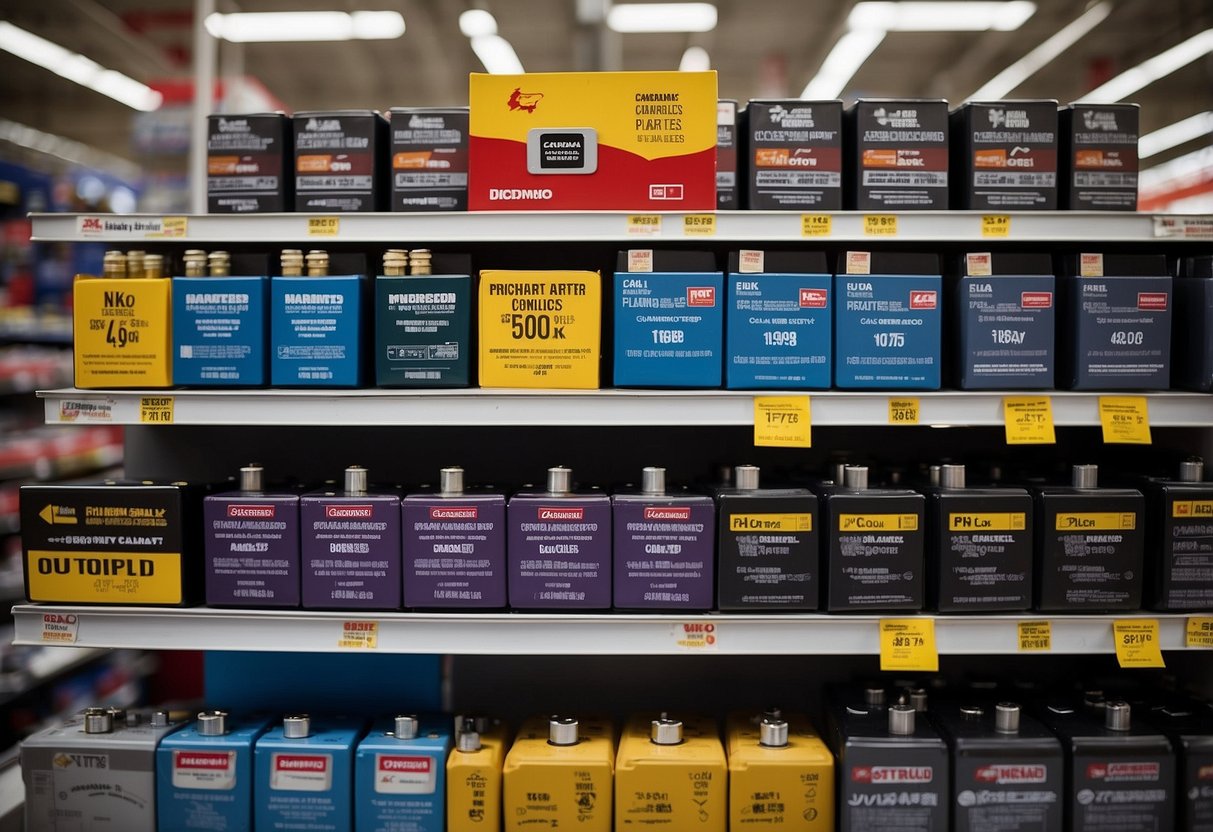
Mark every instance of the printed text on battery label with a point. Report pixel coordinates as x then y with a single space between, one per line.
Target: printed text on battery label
1001 522
1097 521
877 522
771 523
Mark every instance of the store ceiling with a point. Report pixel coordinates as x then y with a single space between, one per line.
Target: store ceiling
760 48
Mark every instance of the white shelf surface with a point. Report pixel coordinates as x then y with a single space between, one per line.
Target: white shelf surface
198 628
585 226
572 407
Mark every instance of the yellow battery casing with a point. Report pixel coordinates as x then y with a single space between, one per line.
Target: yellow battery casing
473 784
560 787
678 787
122 331
540 329
789 788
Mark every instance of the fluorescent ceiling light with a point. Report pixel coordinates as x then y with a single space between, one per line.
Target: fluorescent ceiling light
76 67
497 55
965 16
842 63
278 27
68 150
1173 135
475 23
662 17
1010 78
695 59
1189 169
1147 72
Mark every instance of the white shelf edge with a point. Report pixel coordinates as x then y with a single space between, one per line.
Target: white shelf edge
591 226
558 634
485 407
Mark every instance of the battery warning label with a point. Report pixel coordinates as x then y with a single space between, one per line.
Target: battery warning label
99 577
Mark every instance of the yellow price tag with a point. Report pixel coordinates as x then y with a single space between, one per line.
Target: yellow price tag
782 422
156 410
1136 641
1035 636
1125 420
359 635
174 227
996 225
323 226
880 225
908 644
1199 631
816 225
699 225
1028 420
903 411
644 225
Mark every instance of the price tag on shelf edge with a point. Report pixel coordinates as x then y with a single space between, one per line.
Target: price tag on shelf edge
323 226
696 636
1199 632
60 628
1035 636
1028 420
359 635
782 422
156 410
1136 641
1125 420
908 644
880 225
816 225
644 225
699 225
995 225
903 411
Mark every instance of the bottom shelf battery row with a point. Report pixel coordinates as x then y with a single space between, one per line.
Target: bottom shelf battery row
972 760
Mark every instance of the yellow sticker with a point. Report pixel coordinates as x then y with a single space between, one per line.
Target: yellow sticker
644 225
816 225
1010 521
699 636
1096 521
1090 265
323 226
104 577
1035 636
771 522
1125 420
903 411
782 422
877 523
1029 420
1183 509
174 227
908 644
1199 632
699 225
359 635
156 410
996 225
880 225
1137 643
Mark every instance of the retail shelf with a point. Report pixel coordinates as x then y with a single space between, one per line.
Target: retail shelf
541 226
571 407
545 634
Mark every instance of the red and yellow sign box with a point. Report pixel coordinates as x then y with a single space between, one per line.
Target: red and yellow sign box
593 141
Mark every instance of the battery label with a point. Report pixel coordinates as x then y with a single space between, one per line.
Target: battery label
122 333
211 770
771 523
877 522
1096 521
301 772
100 577
1192 508
400 774
996 522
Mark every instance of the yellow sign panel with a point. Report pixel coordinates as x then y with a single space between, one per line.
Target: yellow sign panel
1096 521
323 226
699 225
771 522
880 225
816 225
1125 420
644 225
1137 644
995 225
1035 636
156 410
1199 632
1014 521
782 422
903 411
908 644
877 522
104 577
1028 420
359 635
122 336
